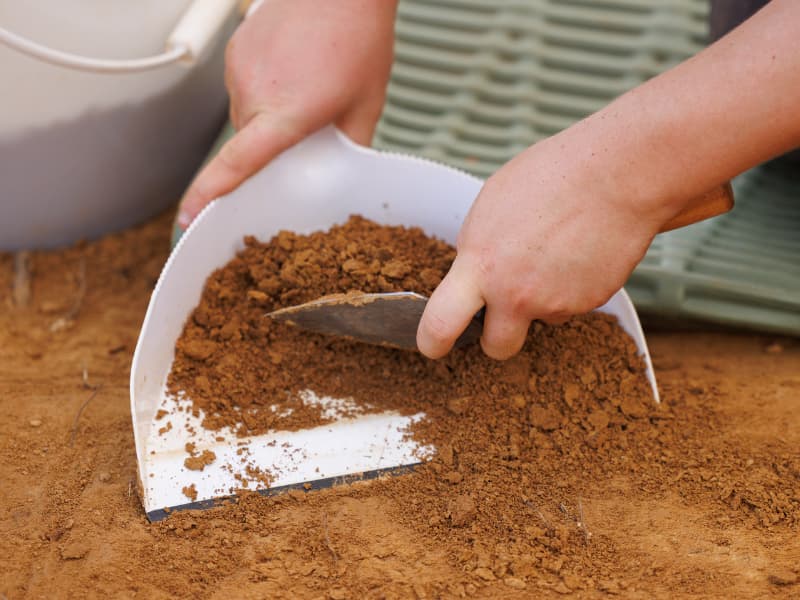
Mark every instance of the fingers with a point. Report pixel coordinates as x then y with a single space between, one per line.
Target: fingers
453 305
449 311
262 138
503 333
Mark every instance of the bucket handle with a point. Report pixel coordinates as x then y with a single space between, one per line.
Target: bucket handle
196 28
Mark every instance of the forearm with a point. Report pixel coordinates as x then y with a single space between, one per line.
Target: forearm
725 110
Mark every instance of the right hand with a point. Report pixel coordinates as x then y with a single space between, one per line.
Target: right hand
293 67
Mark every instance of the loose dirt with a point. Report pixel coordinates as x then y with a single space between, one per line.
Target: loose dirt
699 496
233 361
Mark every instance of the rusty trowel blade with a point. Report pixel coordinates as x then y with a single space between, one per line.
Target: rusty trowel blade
387 319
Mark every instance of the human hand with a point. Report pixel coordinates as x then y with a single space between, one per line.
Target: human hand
293 67
549 236
558 229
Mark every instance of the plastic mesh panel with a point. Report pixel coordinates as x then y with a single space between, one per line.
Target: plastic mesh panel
477 81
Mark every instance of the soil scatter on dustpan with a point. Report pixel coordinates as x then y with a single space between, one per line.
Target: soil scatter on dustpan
246 371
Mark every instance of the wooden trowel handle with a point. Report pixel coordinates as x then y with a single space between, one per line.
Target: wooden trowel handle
713 203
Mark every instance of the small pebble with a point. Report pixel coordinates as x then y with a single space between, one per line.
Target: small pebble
454 477
774 348
458 406
35 422
783 577
515 583
561 588
462 510
74 551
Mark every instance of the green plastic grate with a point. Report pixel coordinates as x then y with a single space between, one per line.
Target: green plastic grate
740 269
477 81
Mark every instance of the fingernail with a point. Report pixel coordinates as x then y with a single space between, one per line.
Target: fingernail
184 219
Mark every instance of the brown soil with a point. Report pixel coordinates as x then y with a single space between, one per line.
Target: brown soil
698 497
582 382
233 361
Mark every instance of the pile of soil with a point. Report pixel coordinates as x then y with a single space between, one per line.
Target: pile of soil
234 362
698 496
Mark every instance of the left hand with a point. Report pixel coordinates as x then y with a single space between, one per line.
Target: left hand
291 68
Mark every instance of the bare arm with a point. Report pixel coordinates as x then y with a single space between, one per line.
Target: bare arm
729 108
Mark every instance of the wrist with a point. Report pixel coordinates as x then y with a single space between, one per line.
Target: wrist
633 157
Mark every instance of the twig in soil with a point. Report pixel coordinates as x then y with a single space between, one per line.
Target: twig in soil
64 321
85 379
587 535
327 538
21 291
539 513
73 432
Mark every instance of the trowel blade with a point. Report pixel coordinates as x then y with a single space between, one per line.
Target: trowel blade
385 319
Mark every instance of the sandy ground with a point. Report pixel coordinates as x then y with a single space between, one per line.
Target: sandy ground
716 514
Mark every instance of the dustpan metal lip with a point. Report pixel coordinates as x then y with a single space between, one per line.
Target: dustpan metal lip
307 486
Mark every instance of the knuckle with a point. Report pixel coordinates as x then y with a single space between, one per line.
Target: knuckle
557 310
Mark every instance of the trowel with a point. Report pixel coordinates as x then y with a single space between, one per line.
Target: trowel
391 318
310 187
384 319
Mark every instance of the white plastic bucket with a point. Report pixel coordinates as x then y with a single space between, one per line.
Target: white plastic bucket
85 153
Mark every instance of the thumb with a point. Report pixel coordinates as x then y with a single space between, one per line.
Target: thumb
449 310
258 142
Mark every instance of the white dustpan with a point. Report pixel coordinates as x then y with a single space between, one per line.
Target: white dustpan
318 183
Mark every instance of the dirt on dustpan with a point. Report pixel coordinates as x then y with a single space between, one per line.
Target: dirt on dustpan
234 362
586 370
700 496
582 380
